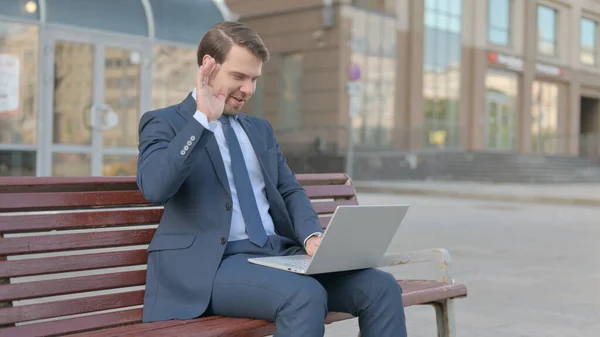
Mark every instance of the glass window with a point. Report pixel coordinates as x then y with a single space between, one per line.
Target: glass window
18 83
544 117
441 76
17 163
386 6
588 38
547 30
29 9
290 96
374 51
123 16
174 75
501 110
499 22
184 20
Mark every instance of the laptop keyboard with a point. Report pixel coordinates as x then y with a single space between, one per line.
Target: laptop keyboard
297 264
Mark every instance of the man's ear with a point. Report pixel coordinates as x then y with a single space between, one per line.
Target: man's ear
205 58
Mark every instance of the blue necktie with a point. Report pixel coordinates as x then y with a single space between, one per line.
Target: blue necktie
254 226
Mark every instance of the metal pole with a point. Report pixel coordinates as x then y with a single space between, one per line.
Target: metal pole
350 152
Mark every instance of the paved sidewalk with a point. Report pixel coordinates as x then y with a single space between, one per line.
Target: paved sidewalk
570 194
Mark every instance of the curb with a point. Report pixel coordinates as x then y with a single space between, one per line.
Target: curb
479 196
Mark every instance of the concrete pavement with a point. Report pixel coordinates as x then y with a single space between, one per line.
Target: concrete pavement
573 194
531 269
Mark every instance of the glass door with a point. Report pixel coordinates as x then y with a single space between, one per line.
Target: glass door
500 122
96 89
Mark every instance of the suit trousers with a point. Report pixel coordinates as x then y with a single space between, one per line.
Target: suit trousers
298 304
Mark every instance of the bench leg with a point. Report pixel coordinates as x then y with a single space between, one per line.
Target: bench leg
444 312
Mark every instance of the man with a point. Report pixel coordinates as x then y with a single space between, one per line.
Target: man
228 195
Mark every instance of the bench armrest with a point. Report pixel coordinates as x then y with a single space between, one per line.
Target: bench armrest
440 257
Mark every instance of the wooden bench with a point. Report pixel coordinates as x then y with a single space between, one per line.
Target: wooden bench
73 255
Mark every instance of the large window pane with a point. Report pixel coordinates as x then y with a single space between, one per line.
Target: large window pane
544 117
184 20
18 83
71 164
441 78
588 41
73 90
290 96
174 74
374 51
546 30
29 9
17 163
122 16
119 165
122 94
499 22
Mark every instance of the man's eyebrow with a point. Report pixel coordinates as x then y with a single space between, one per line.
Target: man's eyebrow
234 72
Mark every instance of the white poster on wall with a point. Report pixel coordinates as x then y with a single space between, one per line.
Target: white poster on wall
10 75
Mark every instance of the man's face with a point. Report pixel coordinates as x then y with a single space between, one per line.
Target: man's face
238 75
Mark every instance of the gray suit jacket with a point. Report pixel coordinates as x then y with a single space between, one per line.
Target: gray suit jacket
180 167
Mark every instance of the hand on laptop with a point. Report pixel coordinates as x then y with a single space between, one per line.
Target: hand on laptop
312 244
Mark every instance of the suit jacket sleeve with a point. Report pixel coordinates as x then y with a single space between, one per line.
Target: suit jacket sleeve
165 157
304 218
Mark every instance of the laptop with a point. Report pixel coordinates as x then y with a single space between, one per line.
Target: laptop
356 238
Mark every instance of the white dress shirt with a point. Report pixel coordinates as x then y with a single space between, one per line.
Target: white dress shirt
238 226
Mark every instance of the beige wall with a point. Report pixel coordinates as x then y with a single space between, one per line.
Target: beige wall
287 27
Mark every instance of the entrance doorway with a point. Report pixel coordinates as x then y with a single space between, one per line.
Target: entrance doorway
96 88
500 110
499 121
589 127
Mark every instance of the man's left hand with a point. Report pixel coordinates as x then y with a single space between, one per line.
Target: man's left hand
312 244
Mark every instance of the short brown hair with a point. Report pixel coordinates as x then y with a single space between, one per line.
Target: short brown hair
218 41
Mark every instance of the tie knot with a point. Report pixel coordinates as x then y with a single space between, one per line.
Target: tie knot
224 119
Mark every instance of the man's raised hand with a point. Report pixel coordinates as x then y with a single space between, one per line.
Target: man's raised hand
210 97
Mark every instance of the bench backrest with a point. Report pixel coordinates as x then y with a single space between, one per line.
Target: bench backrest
77 246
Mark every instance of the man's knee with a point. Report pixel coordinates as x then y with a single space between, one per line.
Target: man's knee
310 297
383 285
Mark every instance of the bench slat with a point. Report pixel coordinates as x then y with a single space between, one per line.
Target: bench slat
324 220
61 264
78 220
64 184
67 242
32 312
71 285
328 207
334 191
91 322
52 201
245 327
143 328
218 327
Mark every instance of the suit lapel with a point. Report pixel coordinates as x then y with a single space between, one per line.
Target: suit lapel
187 108
255 139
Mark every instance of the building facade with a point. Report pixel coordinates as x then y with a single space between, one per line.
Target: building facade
515 76
75 77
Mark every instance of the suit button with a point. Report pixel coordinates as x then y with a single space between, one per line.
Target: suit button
228 206
223 241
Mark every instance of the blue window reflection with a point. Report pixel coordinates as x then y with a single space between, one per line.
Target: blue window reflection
499 22
546 30
588 41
